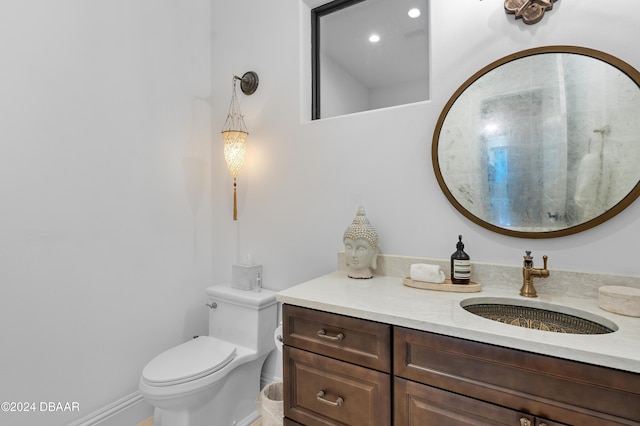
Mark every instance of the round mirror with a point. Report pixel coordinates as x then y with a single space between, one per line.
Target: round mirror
542 143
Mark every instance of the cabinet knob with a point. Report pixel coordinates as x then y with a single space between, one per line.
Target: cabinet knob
524 421
338 403
323 333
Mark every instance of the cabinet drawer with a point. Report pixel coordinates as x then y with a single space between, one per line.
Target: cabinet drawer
324 391
563 390
419 405
358 341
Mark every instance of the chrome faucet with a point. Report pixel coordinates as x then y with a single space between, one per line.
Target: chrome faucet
529 272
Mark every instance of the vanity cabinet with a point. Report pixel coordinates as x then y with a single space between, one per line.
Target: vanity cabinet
340 370
336 369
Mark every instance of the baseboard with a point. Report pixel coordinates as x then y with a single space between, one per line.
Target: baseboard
130 410
249 420
133 409
266 379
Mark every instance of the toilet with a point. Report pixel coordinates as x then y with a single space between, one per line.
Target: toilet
215 379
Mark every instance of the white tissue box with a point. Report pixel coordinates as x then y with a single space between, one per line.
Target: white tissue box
246 277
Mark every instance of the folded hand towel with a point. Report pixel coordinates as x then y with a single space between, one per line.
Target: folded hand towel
427 272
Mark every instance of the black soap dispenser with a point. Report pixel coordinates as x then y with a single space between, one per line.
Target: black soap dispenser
460 265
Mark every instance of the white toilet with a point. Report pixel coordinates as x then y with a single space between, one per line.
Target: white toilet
214 380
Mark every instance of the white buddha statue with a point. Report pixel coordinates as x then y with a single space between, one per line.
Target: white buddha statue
361 247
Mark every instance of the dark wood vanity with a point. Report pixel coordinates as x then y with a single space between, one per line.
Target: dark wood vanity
340 370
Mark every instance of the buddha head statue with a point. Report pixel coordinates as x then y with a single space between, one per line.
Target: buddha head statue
361 247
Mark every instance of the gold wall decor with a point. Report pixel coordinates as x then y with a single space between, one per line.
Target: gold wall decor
531 11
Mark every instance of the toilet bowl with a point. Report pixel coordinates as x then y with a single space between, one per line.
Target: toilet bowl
214 379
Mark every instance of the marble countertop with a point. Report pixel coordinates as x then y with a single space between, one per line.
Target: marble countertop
385 299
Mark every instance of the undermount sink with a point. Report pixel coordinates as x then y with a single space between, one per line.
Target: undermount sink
538 315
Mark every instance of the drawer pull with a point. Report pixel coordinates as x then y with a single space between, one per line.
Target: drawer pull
338 403
337 338
525 422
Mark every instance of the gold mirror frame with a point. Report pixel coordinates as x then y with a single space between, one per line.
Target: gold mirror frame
627 69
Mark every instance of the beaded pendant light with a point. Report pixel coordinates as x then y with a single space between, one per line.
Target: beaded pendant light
234 132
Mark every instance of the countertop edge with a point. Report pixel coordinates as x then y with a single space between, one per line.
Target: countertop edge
335 293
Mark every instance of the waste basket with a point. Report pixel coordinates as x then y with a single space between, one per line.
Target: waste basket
271 404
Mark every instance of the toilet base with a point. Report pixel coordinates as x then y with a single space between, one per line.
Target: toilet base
234 402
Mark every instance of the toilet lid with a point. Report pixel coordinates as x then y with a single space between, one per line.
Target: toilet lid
189 361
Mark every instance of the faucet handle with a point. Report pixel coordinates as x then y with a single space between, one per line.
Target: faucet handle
544 261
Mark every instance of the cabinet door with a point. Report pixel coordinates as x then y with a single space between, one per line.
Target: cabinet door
322 391
419 405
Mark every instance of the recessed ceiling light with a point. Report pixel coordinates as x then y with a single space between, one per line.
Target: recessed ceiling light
414 13
374 38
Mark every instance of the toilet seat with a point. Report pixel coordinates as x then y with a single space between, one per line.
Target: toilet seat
189 361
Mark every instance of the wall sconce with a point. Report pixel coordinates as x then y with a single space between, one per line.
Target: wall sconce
234 132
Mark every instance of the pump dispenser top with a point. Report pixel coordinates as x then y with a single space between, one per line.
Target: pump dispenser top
460 264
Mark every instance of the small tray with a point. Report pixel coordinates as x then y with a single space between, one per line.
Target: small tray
472 287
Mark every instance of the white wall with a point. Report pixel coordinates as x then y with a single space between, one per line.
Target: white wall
398 94
340 92
105 236
303 180
106 246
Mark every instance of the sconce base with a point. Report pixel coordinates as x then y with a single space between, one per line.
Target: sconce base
249 82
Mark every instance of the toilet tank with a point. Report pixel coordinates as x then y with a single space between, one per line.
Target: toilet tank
243 317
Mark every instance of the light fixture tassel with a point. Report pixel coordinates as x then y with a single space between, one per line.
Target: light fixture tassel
235 201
